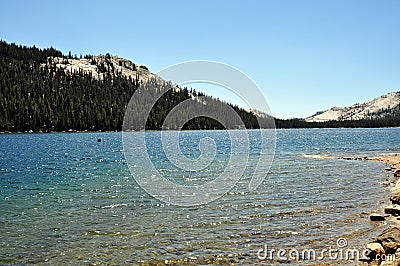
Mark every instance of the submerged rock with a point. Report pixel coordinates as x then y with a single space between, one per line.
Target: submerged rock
376 217
347 158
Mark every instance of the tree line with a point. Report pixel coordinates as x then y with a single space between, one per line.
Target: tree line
37 95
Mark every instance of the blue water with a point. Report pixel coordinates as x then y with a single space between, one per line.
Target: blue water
66 198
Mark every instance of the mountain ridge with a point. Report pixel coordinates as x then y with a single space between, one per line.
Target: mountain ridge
382 107
42 90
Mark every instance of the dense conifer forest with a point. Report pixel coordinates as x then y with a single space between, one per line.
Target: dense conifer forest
36 95
41 97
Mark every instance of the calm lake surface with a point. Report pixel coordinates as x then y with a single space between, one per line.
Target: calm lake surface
66 198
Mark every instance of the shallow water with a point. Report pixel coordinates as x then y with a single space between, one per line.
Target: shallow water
67 199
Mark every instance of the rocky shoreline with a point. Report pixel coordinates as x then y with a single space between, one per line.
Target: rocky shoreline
385 248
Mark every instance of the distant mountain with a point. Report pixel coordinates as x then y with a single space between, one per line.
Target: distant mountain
383 107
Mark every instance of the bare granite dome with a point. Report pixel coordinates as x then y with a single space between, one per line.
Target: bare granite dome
377 108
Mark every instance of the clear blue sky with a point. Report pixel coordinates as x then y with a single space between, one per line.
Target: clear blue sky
304 55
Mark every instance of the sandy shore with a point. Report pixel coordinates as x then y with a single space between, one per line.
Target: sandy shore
393 160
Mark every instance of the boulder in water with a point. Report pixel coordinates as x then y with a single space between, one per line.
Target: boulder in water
376 217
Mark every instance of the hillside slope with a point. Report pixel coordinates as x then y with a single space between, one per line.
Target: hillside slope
383 107
44 90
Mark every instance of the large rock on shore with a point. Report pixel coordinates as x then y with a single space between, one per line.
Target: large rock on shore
392 260
397 173
390 239
395 198
393 210
376 249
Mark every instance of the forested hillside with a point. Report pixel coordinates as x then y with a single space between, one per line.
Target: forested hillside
42 90
36 94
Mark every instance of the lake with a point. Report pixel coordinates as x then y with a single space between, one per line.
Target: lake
67 198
